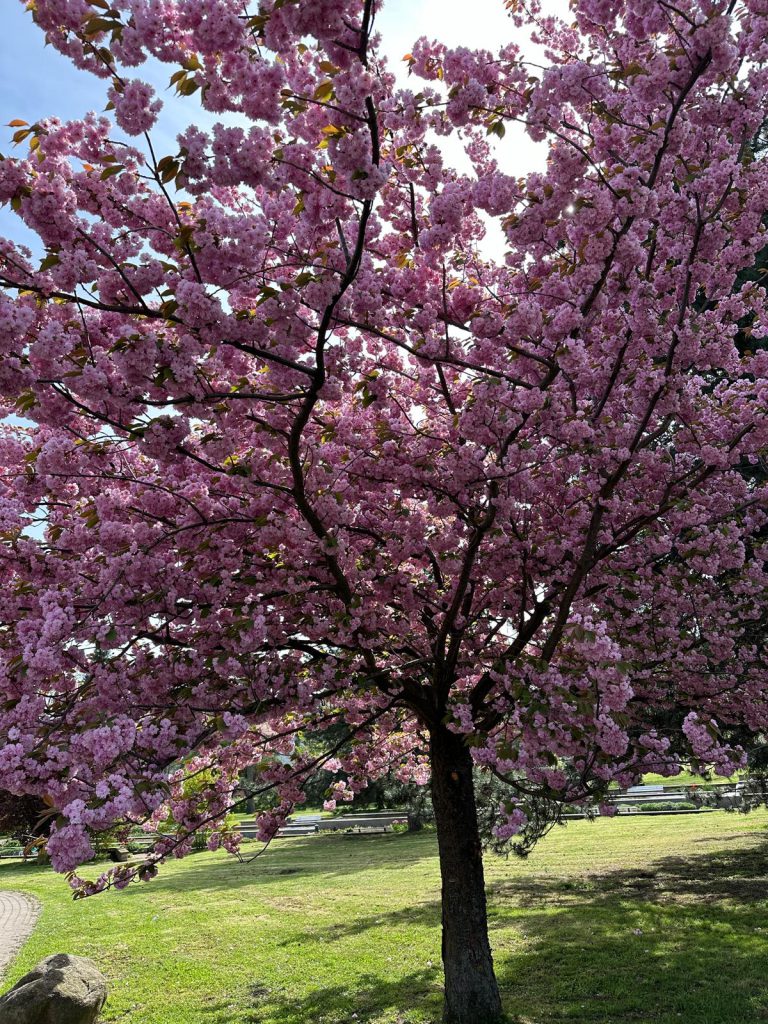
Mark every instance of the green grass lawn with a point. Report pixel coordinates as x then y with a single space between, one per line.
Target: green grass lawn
686 778
631 921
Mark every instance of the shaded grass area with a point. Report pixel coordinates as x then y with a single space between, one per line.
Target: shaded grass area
630 921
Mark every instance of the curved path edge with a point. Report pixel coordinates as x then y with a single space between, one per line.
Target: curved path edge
18 917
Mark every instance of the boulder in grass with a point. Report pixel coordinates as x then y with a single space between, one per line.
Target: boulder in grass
62 989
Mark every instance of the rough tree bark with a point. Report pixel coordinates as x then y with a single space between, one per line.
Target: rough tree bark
471 990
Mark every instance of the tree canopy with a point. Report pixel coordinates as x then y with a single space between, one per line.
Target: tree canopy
293 449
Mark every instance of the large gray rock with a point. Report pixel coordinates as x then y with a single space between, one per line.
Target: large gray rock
62 989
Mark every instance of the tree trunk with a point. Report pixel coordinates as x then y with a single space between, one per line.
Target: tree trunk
471 990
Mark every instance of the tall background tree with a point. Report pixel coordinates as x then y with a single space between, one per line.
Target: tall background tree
23 818
295 455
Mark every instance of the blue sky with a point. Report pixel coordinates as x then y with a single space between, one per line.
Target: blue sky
36 81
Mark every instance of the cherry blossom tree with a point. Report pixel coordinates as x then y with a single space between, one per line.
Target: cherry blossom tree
293 455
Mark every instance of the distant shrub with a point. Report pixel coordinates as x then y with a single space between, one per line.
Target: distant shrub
663 805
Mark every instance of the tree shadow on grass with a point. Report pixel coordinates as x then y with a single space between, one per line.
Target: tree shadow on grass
330 858
620 964
425 914
326 856
683 941
414 997
17 866
736 875
734 838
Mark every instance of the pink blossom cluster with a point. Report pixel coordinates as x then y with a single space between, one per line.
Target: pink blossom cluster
294 475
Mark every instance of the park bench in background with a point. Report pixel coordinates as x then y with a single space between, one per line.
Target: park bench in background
373 822
649 795
311 824
11 851
303 826
710 794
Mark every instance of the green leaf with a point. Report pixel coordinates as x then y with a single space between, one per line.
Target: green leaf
267 293
25 401
168 168
111 171
95 25
324 91
51 260
331 131
187 87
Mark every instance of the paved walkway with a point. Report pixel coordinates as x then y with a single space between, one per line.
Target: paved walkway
18 916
